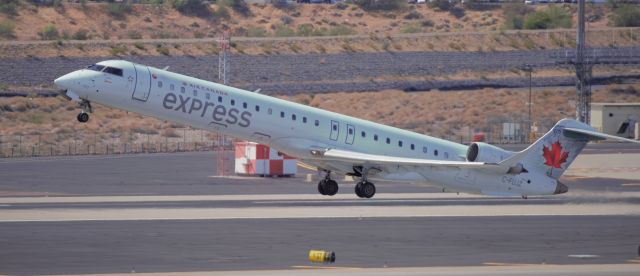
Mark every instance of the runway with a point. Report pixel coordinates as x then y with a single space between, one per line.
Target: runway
166 214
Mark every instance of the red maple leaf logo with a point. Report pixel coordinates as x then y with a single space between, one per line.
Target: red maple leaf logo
554 157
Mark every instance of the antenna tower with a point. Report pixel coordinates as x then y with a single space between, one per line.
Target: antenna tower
583 71
223 69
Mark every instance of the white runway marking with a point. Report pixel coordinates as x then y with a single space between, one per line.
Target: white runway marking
524 270
584 256
108 214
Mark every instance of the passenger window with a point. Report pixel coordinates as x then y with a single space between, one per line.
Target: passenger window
413 147
219 99
281 114
233 102
363 134
257 108
181 89
399 143
435 152
304 120
172 87
375 137
317 123
159 84
293 117
388 140
244 105
335 127
208 96
350 131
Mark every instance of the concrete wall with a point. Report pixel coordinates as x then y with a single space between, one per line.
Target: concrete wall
609 118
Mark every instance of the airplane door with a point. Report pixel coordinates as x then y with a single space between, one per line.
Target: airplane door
142 88
335 130
351 134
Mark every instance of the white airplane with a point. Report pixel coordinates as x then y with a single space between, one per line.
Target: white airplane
332 142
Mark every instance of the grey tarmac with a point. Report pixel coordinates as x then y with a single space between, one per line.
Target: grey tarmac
165 214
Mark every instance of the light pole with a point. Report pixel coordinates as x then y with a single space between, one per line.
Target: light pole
529 69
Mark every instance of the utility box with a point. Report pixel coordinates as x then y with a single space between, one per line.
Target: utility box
260 160
619 119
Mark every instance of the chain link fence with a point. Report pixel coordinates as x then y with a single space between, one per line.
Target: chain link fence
37 145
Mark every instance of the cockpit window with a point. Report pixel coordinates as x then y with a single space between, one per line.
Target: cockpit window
96 67
113 71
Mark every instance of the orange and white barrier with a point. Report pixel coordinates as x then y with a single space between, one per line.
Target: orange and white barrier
260 160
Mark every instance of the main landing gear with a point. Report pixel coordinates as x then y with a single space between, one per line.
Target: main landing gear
83 116
365 189
328 186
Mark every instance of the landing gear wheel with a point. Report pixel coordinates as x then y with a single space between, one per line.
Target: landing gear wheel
321 187
365 189
368 190
359 189
330 187
83 117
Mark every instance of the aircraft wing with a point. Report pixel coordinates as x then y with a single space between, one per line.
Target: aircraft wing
374 160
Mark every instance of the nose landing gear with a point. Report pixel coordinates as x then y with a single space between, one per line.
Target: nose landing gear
83 116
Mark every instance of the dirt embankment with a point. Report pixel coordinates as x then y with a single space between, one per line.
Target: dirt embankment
161 30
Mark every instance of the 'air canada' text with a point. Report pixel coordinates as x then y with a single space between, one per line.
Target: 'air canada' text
219 113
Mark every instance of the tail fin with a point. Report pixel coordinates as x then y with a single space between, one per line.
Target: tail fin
555 151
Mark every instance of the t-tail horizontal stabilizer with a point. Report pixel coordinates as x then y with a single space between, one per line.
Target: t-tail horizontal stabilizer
587 135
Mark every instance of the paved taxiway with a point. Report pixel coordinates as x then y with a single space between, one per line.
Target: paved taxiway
165 213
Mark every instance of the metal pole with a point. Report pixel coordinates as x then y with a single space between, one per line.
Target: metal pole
529 125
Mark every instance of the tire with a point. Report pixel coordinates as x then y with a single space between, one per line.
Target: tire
331 187
321 187
368 190
359 189
83 117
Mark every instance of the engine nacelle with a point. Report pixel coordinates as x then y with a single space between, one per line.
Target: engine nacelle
483 152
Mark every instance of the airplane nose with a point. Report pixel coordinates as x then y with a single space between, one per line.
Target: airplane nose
561 189
63 82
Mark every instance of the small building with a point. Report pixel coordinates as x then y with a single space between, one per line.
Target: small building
620 119
259 160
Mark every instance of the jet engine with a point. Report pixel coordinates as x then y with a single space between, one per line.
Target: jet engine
483 152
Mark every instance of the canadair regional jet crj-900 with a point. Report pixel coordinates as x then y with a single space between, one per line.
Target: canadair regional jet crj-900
332 142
